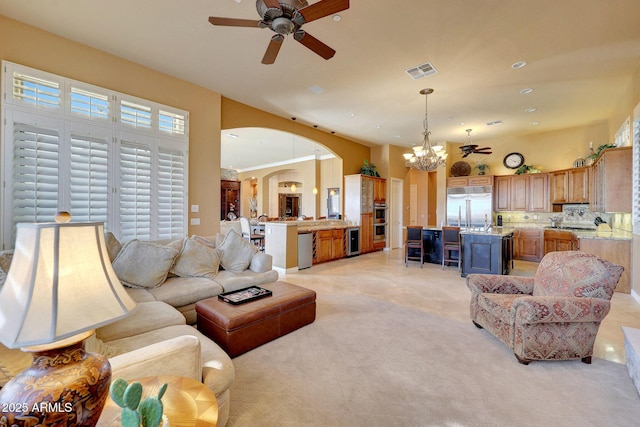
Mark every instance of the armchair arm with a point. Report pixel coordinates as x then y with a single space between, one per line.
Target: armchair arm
551 309
175 356
497 284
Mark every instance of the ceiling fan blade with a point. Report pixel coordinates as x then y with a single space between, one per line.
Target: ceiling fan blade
483 148
483 152
234 22
272 3
272 50
314 44
319 10
466 154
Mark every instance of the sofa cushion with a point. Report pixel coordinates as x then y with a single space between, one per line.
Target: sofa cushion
575 274
179 291
236 252
231 281
197 260
113 245
147 316
217 368
143 264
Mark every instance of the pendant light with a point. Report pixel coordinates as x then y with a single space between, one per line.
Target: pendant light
424 157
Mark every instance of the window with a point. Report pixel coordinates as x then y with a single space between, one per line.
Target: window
101 155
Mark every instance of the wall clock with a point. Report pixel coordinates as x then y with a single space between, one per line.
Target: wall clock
513 160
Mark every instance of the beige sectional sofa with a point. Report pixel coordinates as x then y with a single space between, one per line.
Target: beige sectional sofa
167 278
182 272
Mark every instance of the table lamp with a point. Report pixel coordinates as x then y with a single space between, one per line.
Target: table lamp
59 288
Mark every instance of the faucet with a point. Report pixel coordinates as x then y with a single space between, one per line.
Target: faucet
487 227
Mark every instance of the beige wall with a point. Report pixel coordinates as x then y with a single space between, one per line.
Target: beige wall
237 115
32 47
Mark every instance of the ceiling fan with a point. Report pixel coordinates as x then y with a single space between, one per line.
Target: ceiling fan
285 17
473 148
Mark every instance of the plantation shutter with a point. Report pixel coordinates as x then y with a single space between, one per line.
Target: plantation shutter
636 172
171 194
89 186
135 192
35 174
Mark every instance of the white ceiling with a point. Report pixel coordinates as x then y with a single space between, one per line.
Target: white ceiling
580 54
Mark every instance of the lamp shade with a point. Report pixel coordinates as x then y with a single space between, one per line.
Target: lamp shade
60 284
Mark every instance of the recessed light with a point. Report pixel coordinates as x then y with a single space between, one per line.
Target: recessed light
378 126
530 110
518 65
336 18
526 90
461 124
534 123
351 114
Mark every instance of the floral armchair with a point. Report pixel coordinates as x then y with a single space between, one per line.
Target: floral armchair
552 316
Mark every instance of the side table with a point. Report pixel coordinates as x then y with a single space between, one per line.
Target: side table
187 402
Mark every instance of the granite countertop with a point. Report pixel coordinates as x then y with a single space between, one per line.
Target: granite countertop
593 233
493 231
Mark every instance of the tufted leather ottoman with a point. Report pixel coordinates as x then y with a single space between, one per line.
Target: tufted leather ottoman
240 328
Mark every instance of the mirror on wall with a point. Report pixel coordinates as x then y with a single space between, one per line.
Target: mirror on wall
333 203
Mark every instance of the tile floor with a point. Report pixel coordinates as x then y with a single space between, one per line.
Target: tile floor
383 275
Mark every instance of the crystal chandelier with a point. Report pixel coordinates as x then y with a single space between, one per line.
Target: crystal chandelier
425 157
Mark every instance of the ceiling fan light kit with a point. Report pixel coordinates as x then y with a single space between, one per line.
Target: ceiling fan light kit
285 17
470 148
424 157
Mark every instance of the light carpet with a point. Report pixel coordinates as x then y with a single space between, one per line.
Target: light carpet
369 362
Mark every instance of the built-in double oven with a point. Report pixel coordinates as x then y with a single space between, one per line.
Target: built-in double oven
379 222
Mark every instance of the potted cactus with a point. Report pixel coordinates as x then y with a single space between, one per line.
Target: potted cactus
135 412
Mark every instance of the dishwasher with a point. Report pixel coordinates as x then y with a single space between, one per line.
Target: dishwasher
305 250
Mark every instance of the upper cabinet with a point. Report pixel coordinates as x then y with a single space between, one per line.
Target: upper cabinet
611 174
470 181
570 186
522 193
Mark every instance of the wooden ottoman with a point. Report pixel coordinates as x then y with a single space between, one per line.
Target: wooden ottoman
240 328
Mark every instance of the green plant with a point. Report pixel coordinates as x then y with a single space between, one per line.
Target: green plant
482 167
596 153
527 169
147 413
368 169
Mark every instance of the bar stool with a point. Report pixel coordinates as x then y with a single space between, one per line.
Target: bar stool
414 241
450 243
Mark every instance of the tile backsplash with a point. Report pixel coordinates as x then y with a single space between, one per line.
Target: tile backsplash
579 215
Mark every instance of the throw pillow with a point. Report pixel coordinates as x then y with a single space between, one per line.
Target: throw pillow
197 260
207 241
143 264
113 245
236 252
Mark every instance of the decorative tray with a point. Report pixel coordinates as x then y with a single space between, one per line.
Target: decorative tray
241 296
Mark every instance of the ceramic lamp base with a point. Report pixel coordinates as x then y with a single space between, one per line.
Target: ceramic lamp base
64 387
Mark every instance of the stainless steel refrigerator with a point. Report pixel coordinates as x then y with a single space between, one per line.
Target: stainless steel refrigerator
469 206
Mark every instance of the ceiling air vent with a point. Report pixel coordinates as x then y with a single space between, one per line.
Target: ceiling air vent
419 71
495 122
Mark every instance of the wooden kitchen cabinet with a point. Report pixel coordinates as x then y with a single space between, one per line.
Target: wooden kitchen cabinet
328 245
521 193
361 193
556 240
570 186
528 244
229 198
615 251
612 176
470 181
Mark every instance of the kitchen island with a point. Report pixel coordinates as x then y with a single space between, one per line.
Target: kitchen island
487 252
